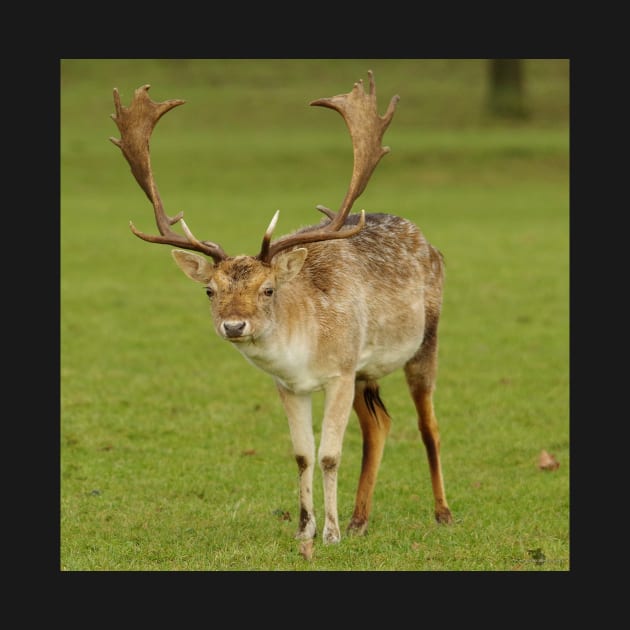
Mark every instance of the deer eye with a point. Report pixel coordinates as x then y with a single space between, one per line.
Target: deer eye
268 291
209 292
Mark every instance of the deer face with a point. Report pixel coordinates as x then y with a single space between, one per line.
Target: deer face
242 290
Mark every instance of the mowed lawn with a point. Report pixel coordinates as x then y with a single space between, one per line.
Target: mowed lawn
175 452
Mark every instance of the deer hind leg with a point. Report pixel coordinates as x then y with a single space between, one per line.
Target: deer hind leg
421 372
375 424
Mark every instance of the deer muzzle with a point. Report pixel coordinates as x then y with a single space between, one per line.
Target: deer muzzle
234 329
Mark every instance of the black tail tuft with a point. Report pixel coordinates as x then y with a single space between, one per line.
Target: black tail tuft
372 399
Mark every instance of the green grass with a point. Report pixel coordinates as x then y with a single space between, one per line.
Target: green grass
175 453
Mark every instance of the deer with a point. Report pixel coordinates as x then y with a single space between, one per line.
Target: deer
332 308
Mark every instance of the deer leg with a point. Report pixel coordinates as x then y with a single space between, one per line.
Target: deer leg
421 372
337 408
375 423
299 414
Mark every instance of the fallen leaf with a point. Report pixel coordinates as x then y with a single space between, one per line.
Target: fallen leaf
306 549
546 461
282 515
251 451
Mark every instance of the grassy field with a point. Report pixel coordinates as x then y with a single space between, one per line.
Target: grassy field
175 453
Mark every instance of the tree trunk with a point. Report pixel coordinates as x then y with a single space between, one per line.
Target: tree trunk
506 98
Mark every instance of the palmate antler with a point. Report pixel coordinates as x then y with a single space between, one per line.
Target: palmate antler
366 127
359 110
136 124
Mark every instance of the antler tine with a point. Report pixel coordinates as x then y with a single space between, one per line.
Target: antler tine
359 110
264 249
136 123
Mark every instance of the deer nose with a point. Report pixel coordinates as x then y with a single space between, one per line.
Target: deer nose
234 329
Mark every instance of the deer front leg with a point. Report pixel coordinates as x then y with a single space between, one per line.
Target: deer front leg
299 414
337 408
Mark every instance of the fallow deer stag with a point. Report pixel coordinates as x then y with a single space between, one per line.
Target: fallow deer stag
330 307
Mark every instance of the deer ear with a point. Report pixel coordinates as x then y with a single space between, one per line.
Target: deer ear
194 266
287 265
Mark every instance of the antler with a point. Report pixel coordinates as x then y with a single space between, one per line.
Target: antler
136 124
359 110
366 127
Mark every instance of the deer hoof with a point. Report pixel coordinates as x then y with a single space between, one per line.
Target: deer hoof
443 516
331 535
357 527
